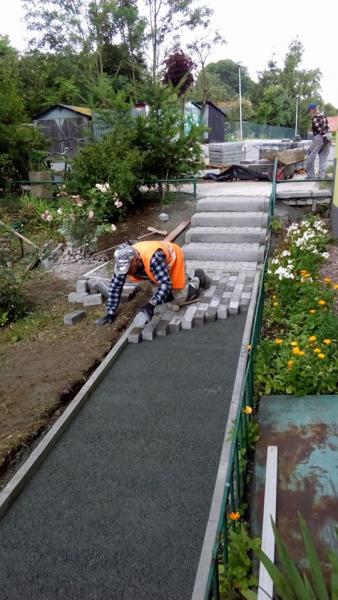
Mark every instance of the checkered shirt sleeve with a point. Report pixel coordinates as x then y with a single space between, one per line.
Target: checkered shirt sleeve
115 291
159 268
320 124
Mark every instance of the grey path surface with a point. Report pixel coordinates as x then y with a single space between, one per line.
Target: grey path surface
118 510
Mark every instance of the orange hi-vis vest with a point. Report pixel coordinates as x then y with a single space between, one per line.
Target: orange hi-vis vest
174 259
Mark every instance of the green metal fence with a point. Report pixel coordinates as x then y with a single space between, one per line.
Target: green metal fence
237 474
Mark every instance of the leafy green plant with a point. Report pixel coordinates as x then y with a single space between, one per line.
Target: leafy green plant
238 574
289 582
12 302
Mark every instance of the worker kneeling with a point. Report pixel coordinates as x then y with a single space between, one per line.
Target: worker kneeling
163 264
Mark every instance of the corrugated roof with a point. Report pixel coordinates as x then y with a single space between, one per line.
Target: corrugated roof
83 110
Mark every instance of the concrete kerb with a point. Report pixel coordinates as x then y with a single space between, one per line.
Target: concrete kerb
216 512
23 475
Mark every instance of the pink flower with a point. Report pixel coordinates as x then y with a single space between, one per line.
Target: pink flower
118 204
49 218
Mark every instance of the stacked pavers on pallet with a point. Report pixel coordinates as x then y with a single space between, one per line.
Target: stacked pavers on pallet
227 240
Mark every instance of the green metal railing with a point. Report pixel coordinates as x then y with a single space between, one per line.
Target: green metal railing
237 473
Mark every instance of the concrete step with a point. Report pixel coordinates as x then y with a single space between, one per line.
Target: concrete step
233 203
226 251
214 266
226 234
229 219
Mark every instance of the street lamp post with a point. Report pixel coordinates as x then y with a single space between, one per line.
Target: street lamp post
240 104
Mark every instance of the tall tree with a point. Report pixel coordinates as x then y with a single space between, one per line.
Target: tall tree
167 17
178 72
202 46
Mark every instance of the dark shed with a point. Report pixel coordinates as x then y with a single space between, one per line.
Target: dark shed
214 118
65 127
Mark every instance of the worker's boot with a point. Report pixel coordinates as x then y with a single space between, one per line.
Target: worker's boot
203 277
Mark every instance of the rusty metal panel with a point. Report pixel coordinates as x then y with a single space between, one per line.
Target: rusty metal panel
305 430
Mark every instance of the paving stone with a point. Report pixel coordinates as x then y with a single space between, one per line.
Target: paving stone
135 335
92 300
175 325
222 312
149 330
74 317
99 286
82 286
209 292
223 251
128 295
188 319
162 328
74 297
211 314
233 307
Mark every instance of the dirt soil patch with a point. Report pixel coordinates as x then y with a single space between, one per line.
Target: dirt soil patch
41 372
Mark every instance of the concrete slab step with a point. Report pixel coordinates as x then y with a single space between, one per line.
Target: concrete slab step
233 204
212 266
229 219
226 234
224 251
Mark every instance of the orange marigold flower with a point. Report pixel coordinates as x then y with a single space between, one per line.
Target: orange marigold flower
248 410
234 516
327 279
336 286
317 350
327 341
275 303
301 353
312 311
322 302
294 343
296 350
290 363
278 341
312 338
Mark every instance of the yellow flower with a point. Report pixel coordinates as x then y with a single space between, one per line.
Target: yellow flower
321 355
306 275
249 347
312 338
274 297
312 311
275 304
278 341
290 363
301 353
234 516
317 350
327 279
248 410
294 343
327 341
303 272
336 286
296 350
322 302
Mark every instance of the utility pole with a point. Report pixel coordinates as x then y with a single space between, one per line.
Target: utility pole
240 104
296 121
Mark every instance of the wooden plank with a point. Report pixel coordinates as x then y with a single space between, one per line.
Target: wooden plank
265 584
177 231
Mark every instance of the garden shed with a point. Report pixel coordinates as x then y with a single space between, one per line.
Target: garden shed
65 126
214 118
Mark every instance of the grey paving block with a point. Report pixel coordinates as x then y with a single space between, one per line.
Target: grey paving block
128 294
135 336
76 298
211 313
226 234
222 312
99 286
188 319
233 307
149 330
74 317
162 328
248 267
82 286
175 325
92 300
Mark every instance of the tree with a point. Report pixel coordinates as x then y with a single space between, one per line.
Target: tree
227 72
165 17
201 47
275 95
178 72
17 137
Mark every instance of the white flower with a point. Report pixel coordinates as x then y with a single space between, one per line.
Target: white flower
285 253
275 261
113 228
49 218
91 215
59 211
118 204
325 255
102 187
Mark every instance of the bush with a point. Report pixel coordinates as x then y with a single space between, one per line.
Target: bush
12 302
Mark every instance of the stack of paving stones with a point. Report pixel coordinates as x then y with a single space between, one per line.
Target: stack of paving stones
92 292
225 153
227 240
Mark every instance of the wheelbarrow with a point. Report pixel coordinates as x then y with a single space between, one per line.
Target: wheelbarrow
287 161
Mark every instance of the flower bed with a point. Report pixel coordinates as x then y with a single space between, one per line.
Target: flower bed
298 353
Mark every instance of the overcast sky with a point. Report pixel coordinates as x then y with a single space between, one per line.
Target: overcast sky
254 30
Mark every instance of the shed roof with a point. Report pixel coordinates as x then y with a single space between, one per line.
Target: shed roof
82 110
199 104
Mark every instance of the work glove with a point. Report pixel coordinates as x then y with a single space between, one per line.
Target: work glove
148 309
106 320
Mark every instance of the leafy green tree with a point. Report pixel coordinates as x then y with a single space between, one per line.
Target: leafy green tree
227 72
167 17
330 110
207 82
17 137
